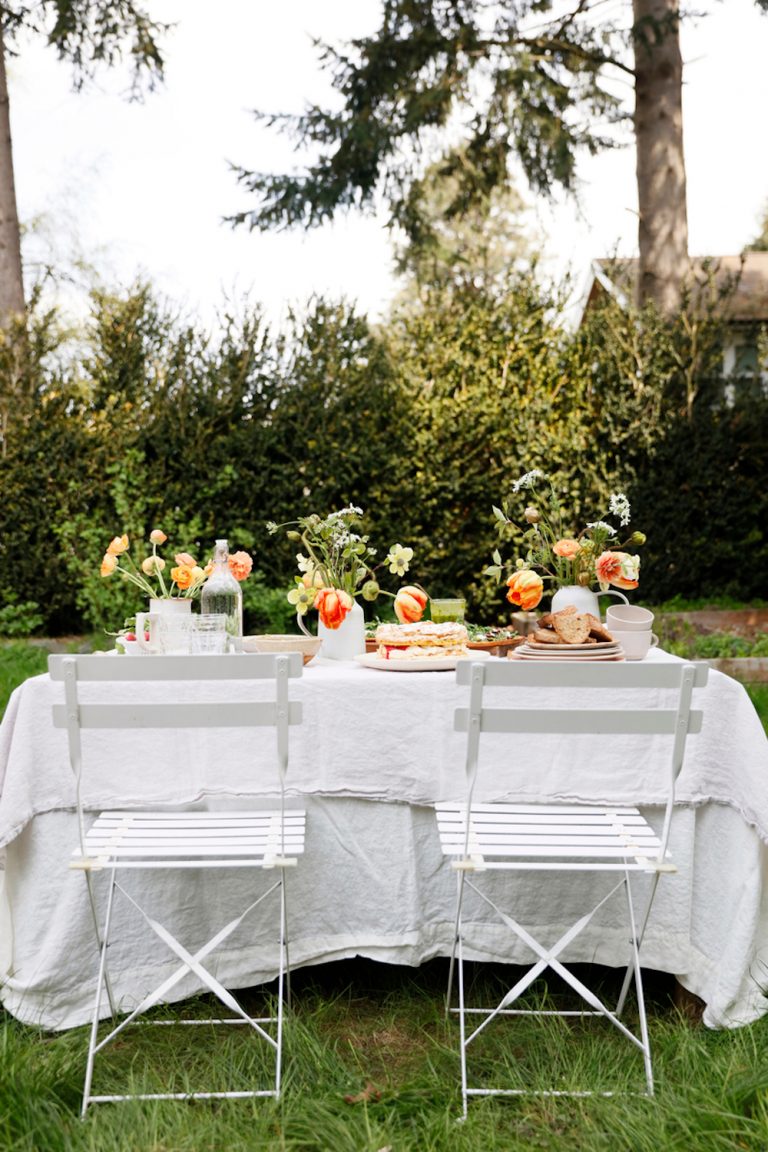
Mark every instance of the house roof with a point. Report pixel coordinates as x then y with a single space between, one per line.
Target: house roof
749 272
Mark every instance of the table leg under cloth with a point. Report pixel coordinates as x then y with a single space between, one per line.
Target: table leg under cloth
374 884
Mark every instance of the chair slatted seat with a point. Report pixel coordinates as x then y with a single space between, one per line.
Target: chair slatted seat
486 838
265 839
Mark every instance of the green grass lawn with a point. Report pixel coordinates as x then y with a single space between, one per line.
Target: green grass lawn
371 1064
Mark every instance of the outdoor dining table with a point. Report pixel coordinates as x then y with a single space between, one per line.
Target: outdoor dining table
374 752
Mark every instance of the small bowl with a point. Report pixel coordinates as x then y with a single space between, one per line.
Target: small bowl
307 645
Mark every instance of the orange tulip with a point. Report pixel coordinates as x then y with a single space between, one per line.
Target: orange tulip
410 603
332 605
526 589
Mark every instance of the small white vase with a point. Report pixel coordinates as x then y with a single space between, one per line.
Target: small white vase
176 607
346 641
583 599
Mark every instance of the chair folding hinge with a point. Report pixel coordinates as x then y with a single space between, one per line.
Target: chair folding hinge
469 864
279 862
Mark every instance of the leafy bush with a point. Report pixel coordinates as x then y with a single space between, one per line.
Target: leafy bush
142 421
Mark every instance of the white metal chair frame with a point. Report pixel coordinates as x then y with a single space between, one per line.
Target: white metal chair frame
268 839
488 838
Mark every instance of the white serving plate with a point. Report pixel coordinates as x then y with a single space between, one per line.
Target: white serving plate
434 664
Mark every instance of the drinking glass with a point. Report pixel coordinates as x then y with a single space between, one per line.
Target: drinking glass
209 633
447 611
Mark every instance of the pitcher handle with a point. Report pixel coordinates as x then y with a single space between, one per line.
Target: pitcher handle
142 631
612 592
303 627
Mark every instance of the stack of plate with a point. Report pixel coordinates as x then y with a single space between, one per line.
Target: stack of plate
533 650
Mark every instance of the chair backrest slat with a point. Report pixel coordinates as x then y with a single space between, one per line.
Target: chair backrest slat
143 669
597 721
222 714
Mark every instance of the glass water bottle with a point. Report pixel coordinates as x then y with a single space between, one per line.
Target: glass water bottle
222 594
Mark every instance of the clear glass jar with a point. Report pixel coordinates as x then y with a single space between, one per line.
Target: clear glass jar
222 594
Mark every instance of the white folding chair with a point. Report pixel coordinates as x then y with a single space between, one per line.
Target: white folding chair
491 839
267 840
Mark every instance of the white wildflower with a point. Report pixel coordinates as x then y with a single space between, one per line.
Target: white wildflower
618 505
528 480
600 525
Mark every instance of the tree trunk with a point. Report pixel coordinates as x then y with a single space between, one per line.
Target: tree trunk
663 224
11 282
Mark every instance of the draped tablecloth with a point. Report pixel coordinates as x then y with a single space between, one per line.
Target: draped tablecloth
375 750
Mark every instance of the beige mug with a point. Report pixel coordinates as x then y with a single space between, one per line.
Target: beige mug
636 645
628 618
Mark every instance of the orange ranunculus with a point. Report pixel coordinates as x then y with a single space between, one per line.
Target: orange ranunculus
108 564
119 545
618 568
332 605
240 565
566 548
185 560
526 589
410 603
184 576
157 536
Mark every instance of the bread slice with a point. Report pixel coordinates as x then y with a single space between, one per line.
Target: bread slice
546 636
572 627
598 629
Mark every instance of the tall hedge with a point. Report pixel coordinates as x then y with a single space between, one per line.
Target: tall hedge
145 420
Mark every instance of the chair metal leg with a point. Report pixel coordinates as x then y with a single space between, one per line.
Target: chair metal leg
98 931
460 876
100 983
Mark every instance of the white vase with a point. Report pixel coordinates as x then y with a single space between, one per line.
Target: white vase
176 607
346 641
583 599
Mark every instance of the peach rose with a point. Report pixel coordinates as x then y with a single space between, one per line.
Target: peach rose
240 565
156 536
108 564
332 605
183 576
618 568
410 603
526 589
566 548
118 546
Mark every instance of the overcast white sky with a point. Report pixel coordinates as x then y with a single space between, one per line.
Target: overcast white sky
140 189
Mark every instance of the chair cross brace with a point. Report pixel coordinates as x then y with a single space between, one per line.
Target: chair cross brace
548 959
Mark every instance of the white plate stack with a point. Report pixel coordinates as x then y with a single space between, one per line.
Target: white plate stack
601 650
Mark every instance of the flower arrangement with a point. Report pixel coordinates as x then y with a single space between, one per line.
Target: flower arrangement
552 553
340 564
183 581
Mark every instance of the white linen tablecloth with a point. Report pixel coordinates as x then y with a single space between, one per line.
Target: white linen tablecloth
374 752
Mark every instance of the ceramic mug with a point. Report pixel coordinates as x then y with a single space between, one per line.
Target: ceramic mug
169 635
636 645
628 618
